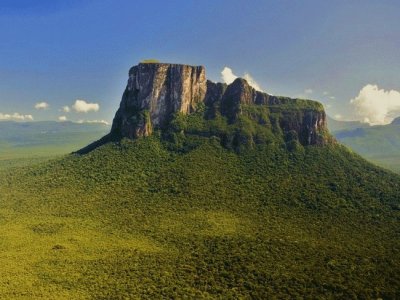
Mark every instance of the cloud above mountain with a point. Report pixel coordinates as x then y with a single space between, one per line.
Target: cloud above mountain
66 109
15 117
81 106
94 122
228 77
308 91
376 106
41 105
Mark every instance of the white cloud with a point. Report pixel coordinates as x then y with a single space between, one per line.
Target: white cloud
66 109
228 77
42 105
252 82
325 93
81 106
308 91
338 116
98 121
62 118
376 106
16 117
94 121
332 97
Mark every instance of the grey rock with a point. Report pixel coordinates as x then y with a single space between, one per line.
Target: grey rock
214 93
156 91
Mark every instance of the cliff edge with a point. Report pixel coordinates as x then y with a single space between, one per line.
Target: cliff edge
157 93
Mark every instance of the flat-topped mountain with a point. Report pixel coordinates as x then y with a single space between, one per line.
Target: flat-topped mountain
209 191
159 93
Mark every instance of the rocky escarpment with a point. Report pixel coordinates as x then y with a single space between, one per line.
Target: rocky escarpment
157 92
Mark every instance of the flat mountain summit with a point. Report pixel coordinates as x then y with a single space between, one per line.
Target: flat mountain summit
158 94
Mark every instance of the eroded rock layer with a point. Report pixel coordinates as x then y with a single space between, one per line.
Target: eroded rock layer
156 92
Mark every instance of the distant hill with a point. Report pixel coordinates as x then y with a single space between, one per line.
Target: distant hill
380 144
47 138
396 121
336 125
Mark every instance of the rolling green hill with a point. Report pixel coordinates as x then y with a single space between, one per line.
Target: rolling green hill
140 219
379 144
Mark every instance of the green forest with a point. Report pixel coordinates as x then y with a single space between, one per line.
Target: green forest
144 219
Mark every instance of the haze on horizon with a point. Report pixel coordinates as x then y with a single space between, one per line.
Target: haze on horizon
68 60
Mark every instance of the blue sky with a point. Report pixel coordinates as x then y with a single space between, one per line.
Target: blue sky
342 53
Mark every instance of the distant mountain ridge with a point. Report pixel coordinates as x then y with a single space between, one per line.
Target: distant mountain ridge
337 125
379 143
396 121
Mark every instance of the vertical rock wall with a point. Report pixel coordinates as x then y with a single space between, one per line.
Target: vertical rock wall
155 91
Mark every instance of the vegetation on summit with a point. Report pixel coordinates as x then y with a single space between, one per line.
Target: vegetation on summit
150 61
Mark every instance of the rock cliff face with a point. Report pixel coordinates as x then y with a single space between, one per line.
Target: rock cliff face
154 93
157 91
308 121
